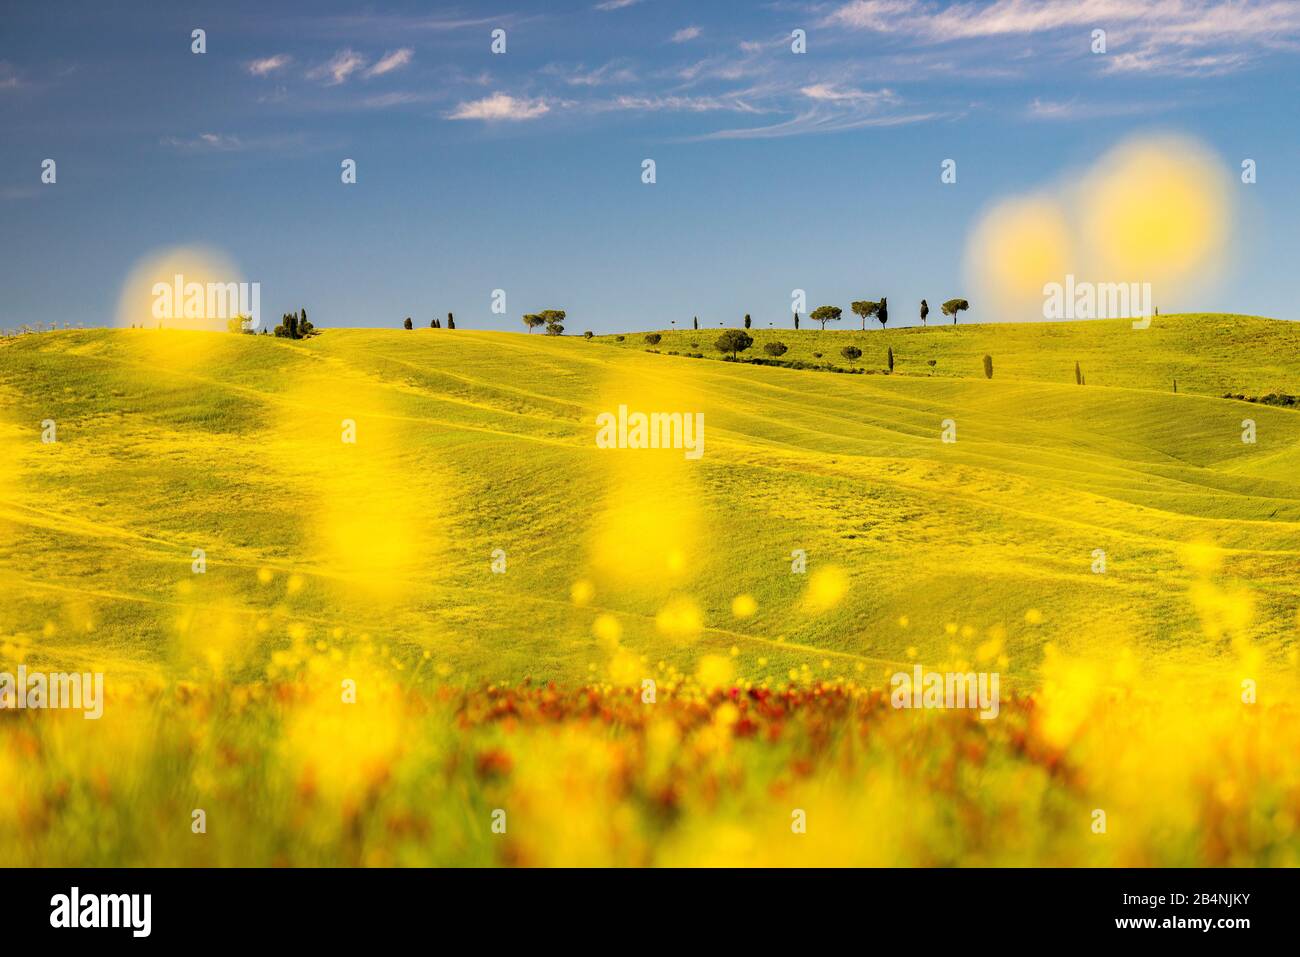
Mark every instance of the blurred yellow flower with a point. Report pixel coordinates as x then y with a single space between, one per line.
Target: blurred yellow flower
582 592
827 587
680 618
744 606
714 671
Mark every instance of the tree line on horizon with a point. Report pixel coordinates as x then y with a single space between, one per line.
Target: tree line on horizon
867 308
732 342
434 323
553 319
295 325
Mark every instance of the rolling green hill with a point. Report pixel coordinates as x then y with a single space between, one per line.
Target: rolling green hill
472 442
1209 354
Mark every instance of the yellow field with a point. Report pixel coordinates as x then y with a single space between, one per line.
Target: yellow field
324 560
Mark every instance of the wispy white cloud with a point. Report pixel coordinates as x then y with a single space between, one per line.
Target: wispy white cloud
501 106
1154 36
828 108
9 78
1051 110
613 72
339 68
616 4
370 25
391 61
385 101
883 16
832 93
818 121
1153 58
269 65
723 67
1077 109
674 104
686 34
1176 20
214 142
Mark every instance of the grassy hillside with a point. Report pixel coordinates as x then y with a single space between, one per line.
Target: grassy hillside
468 442
1207 354
328 562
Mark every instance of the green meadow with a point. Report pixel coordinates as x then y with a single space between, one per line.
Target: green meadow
361 598
477 448
1207 353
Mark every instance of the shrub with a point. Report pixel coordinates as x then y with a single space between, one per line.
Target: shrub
776 349
293 326
852 353
1273 398
653 338
734 341
407 323
588 334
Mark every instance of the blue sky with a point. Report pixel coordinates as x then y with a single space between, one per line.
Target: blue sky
522 171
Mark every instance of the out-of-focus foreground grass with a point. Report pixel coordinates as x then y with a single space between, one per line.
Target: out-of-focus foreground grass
713 772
